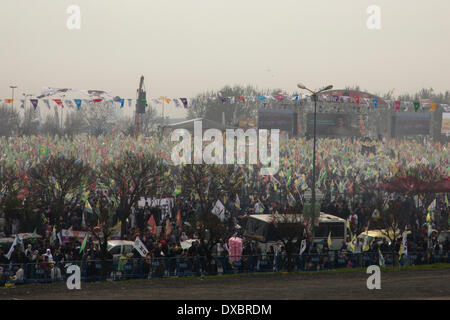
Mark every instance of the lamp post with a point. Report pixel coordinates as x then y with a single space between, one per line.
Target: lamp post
12 96
314 94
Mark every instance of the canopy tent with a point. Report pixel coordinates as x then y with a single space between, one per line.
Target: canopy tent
415 185
206 124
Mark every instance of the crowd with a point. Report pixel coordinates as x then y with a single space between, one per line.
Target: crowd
346 176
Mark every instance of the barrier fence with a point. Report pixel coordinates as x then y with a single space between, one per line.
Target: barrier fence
131 268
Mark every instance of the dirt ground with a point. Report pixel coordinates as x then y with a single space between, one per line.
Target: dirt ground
406 284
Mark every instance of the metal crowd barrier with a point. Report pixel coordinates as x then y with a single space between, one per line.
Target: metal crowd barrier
91 270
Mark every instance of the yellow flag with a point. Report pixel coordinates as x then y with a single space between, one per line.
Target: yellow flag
352 245
329 241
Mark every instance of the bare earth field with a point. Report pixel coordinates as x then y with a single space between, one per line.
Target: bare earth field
433 283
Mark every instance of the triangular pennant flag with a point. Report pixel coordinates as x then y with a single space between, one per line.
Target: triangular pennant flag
184 101
262 98
375 103
77 103
59 102
34 102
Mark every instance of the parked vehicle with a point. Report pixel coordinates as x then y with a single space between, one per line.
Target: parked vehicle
260 227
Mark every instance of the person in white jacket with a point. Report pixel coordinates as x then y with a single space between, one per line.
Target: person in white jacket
19 277
55 273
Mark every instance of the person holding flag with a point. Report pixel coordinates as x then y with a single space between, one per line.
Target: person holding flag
152 225
403 247
168 229
83 245
179 222
329 242
380 258
17 242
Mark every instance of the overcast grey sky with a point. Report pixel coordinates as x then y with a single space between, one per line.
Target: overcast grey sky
184 47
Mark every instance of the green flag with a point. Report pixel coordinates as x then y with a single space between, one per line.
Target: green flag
87 207
177 190
44 151
83 245
416 106
33 240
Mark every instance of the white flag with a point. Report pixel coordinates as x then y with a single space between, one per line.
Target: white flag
16 242
219 210
302 246
140 247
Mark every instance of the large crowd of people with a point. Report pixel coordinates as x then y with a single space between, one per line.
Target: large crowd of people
347 177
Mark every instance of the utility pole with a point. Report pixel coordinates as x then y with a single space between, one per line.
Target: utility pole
12 96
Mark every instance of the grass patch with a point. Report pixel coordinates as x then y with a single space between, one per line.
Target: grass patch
436 266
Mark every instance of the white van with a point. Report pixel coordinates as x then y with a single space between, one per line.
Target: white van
260 228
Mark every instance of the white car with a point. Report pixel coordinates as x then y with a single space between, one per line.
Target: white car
117 247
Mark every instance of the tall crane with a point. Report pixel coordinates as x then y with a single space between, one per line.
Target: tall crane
141 103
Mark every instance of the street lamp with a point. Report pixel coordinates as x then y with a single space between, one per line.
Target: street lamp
314 94
12 97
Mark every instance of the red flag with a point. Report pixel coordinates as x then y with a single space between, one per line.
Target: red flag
241 98
280 97
356 99
97 100
151 222
59 102
179 218
397 106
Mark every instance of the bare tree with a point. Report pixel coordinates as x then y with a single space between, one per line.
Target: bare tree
99 117
74 123
51 126
205 184
203 106
10 121
51 180
127 180
30 123
394 221
290 229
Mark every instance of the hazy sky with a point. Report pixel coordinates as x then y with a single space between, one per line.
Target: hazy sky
184 47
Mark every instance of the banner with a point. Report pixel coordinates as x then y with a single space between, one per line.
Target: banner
445 130
410 123
334 124
67 234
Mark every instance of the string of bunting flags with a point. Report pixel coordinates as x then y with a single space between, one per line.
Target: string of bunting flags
189 102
